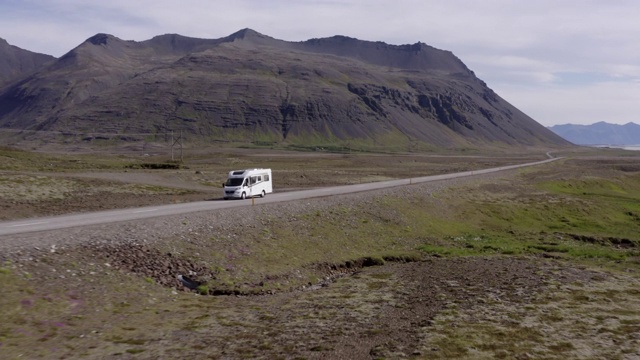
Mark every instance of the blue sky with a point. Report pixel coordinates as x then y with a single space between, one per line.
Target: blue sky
559 61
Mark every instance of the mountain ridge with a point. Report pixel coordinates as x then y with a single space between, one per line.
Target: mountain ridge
249 87
15 62
599 133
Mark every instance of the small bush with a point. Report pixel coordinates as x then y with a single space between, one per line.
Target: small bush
203 290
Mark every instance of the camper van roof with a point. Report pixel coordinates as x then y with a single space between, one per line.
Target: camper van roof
241 172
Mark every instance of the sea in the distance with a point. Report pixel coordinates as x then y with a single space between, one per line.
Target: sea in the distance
625 147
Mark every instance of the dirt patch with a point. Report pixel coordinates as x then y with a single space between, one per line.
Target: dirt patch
396 310
578 314
153 265
380 312
31 195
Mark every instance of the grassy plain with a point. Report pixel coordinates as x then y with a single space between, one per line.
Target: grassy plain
539 263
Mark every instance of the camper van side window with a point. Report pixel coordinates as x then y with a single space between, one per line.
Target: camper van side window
266 178
259 178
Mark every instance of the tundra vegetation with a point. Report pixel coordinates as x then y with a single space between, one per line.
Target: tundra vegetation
540 262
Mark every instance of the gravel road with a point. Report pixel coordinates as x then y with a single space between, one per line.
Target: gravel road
216 221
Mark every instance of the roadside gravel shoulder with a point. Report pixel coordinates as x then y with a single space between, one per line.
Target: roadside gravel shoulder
150 230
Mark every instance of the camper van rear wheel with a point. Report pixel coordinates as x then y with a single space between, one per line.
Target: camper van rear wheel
243 196
263 194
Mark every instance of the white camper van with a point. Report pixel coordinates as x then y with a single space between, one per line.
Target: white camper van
242 184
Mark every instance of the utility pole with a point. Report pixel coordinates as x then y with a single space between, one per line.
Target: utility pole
174 142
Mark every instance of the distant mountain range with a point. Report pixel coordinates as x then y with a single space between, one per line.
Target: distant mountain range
251 88
600 133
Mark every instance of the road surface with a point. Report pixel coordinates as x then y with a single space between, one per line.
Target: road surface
112 216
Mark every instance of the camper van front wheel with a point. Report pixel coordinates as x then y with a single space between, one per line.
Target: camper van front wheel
263 194
243 196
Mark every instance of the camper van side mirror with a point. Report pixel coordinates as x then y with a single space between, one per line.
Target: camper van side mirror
222 184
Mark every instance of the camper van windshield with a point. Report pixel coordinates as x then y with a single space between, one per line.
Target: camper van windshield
234 182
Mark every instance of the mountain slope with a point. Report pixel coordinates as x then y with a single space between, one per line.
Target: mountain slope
248 87
15 62
600 133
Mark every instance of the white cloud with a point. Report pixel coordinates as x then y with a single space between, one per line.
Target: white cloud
613 102
623 70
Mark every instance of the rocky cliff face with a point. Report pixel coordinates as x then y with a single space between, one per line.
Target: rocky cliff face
248 87
16 62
